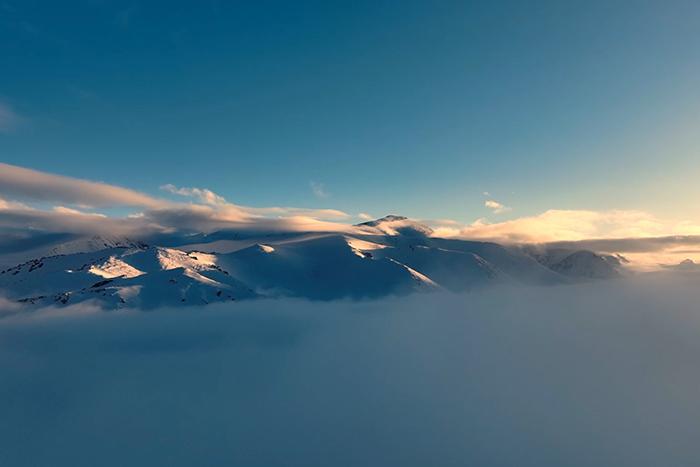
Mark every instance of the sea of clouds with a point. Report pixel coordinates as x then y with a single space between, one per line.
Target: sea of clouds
603 374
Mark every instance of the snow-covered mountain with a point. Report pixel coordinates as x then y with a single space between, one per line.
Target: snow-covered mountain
21 247
135 276
579 264
685 266
390 256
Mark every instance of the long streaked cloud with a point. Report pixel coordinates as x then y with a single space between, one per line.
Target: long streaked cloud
205 212
328 214
19 182
680 243
73 221
193 217
196 217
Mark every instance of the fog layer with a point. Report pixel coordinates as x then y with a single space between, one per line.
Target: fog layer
593 375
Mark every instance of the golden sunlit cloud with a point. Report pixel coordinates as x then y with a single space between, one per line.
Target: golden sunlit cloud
645 239
571 225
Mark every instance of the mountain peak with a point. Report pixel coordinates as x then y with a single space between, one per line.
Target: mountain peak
687 265
395 225
391 218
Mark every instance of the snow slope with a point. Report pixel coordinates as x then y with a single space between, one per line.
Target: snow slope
117 277
323 268
23 248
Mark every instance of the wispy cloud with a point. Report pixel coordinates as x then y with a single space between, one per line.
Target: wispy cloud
124 17
319 189
364 216
496 207
202 194
293 211
67 210
5 204
9 119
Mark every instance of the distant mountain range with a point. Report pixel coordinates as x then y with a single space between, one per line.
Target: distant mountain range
389 256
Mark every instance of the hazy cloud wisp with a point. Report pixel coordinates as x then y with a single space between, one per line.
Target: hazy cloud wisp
9 119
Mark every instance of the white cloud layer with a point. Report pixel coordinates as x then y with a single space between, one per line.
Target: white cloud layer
602 375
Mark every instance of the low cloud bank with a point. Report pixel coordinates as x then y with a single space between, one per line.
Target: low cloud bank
75 204
154 215
602 374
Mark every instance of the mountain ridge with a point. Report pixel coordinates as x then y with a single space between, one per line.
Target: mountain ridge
395 256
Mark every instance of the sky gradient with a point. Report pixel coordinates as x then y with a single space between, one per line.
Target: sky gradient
414 108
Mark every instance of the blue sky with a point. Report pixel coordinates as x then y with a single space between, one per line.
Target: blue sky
415 108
